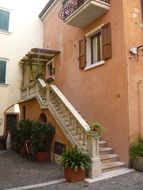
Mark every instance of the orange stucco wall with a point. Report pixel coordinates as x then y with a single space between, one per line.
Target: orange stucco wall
33 112
133 38
101 93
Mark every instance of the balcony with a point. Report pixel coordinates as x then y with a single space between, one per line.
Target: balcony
80 13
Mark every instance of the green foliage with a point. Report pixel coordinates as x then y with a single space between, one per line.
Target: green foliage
25 129
42 134
96 127
16 138
136 148
75 159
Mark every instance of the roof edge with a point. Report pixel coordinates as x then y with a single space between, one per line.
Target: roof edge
47 9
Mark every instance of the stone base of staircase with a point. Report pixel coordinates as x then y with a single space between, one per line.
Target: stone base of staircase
109 174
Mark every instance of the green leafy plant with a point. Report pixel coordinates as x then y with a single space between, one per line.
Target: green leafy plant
96 127
42 134
25 127
75 159
136 148
16 139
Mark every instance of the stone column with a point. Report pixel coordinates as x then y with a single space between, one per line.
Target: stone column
93 149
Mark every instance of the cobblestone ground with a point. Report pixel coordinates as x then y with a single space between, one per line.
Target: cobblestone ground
17 171
131 181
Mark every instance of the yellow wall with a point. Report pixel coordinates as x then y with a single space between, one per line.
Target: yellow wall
33 112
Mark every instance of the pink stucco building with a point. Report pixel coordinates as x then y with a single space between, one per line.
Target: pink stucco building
99 66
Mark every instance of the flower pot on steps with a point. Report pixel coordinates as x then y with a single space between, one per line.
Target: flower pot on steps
73 176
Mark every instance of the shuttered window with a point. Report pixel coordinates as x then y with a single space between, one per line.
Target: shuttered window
4 20
95 47
2 71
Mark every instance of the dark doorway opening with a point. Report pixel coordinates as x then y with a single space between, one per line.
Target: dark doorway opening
11 121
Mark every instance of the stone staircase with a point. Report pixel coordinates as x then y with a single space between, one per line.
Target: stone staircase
76 129
109 160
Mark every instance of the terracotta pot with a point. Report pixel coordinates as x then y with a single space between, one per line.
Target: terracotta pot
42 156
138 163
72 176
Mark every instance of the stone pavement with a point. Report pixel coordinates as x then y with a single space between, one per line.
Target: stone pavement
17 171
131 181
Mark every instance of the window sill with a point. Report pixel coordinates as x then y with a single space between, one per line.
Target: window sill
4 85
94 65
5 32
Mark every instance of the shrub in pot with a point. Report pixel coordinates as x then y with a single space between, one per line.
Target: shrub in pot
136 154
75 164
42 134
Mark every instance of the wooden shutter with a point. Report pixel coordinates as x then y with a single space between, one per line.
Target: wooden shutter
142 7
2 71
82 53
106 42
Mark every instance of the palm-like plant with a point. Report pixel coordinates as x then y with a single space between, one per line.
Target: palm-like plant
75 159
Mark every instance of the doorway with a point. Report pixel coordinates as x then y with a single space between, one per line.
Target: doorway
11 121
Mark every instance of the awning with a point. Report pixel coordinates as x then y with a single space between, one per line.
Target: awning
39 56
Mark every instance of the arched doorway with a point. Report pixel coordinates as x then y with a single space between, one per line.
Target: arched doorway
43 118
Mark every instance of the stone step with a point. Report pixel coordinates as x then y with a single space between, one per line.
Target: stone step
109 158
102 143
105 150
112 166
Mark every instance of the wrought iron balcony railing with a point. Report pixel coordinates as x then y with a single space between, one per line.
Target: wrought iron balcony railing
70 6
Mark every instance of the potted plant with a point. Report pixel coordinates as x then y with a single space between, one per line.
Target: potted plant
75 164
42 134
136 154
96 128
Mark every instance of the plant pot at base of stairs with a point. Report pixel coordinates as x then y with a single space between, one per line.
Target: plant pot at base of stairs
73 176
138 163
42 156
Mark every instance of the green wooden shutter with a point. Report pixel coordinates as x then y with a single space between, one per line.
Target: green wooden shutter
4 20
2 71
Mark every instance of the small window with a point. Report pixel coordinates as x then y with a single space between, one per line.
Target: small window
2 71
96 51
4 20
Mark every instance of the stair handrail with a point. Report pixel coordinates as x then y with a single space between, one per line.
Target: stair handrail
74 112
42 83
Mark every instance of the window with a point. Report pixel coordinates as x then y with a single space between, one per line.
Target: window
2 71
4 20
95 48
